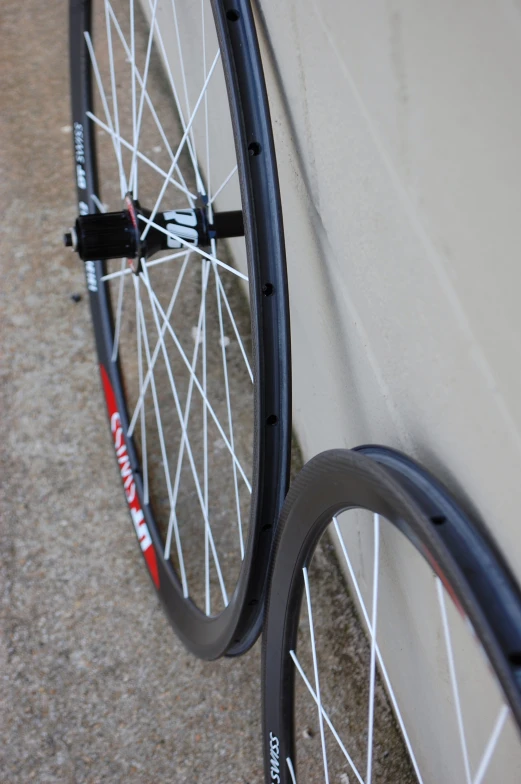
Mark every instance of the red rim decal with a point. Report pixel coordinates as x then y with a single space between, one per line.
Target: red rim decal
138 518
436 567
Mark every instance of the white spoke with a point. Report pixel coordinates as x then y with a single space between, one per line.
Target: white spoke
188 404
144 459
103 97
132 57
205 410
383 668
291 770
200 185
325 716
137 75
173 528
491 745
201 320
208 171
180 147
228 404
177 103
133 184
161 439
113 86
181 61
454 682
226 181
158 346
189 246
101 207
120 273
164 138
170 257
154 303
234 325
206 269
199 387
140 155
147 264
156 404
372 673
119 313
315 671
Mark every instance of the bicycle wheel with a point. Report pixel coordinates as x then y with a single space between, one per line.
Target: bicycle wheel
180 229
392 642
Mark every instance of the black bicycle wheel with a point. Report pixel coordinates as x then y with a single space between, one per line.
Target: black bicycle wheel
177 180
401 685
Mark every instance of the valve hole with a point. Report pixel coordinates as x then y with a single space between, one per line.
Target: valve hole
254 149
232 15
272 420
438 519
268 289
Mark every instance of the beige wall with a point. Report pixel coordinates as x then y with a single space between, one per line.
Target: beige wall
397 129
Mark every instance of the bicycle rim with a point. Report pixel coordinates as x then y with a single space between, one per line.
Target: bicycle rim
434 694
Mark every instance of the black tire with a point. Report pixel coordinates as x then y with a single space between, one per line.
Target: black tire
456 548
236 628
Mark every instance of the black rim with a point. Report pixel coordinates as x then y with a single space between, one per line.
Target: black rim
388 483
237 627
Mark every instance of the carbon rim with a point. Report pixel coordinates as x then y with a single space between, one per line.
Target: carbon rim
472 585
234 629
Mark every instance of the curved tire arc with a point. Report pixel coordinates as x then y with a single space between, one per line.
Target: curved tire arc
234 630
387 483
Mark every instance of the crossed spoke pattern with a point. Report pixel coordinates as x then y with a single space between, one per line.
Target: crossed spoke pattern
355 744
181 326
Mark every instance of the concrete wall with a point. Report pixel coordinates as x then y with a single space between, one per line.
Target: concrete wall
397 127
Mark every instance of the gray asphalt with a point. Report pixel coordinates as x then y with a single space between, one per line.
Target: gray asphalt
95 687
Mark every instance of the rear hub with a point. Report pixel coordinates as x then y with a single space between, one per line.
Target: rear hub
131 233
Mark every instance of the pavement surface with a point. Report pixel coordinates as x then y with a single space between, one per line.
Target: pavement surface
95 686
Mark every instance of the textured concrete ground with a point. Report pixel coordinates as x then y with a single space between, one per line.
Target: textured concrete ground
95 687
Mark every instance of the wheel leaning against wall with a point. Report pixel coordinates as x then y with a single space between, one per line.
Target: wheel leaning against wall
204 473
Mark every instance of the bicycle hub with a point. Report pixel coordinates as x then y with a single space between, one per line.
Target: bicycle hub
116 235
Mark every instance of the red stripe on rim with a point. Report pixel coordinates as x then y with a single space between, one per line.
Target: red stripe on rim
138 518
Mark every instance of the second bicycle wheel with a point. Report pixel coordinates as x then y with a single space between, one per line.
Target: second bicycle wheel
392 643
180 229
